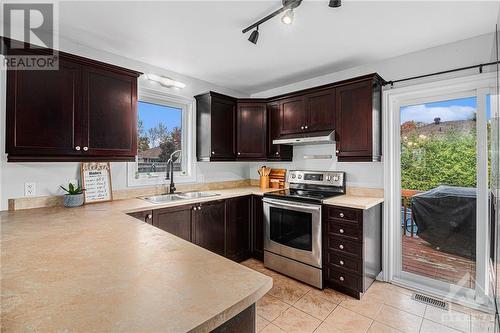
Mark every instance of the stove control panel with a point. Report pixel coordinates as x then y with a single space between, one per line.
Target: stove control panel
328 178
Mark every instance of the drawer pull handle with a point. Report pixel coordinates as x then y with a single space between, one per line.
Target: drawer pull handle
341 231
341 214
341 246
149 216
341 262
341 278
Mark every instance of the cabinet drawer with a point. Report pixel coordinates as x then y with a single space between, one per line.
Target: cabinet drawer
343 245
344 214
340 259
342 278
346 229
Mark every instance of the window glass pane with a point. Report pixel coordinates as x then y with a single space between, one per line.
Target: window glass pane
159 135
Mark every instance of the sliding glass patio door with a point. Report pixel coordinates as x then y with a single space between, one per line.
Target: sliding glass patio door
440 232
439 190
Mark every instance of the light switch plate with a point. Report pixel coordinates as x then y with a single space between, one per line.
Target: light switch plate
29 189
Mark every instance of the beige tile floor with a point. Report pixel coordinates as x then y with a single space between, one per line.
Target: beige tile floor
293 307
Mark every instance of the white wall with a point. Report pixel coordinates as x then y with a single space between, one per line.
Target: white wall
49 176
460 54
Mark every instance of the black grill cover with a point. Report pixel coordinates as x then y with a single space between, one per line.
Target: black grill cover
446 218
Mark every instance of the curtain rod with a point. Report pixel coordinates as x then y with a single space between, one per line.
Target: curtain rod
480 66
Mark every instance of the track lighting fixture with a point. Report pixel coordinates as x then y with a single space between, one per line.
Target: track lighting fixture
254 36
288 17
335 3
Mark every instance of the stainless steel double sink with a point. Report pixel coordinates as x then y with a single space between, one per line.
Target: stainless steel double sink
171 197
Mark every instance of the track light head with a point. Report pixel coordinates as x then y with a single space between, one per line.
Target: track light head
254 36
288 17
335 3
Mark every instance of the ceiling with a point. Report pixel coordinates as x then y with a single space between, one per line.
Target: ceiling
203 39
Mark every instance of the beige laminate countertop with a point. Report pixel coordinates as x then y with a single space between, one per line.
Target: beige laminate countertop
354 201
95 269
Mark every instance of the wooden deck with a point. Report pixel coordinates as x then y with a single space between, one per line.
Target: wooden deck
421 258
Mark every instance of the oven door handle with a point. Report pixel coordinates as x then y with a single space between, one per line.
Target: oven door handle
293 206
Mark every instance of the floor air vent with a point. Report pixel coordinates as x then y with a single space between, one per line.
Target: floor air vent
430 301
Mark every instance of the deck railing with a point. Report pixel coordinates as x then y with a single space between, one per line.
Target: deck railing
407 221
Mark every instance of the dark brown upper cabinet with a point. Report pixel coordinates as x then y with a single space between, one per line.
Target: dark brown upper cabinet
358 113
251 130
276 152
85 110
229 129
293 115
320 110
215 127
109 125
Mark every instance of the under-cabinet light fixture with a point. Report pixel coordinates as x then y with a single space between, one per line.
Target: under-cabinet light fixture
165 81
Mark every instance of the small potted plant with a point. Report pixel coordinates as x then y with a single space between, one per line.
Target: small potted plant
73 196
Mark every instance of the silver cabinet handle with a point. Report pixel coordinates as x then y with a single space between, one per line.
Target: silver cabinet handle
337 151
213 153
301 127
149 216
85 148
77 148
305 127
341 214
277 153
341 231
341 262
341 278
341 246
239 153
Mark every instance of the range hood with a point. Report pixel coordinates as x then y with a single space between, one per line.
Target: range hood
302 139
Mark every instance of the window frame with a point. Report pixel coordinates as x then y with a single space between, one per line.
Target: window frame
148 95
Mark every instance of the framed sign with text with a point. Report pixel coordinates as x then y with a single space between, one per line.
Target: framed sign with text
96 180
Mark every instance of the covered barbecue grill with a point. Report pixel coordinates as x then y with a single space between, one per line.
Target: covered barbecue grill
446 218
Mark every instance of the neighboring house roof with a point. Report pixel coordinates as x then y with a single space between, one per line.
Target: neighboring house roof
150 153
438 129
154 153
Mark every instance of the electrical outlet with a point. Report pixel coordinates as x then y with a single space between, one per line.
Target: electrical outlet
29 189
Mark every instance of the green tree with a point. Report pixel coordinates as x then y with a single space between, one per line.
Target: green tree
142 139
427 162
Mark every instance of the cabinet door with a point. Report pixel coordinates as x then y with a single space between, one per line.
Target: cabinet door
257 227
208 226
144 216
251 130
43 107
238 228
276 152
321 110
109 125
222 129
354 121
293 115
175 220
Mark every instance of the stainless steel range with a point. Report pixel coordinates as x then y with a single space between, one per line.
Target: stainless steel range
292 224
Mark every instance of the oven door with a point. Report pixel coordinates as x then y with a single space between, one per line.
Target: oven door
293 230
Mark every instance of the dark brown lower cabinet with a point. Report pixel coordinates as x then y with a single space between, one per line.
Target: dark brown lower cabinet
238 228
243 322
144 216
257 227
352 241
232 228
175 220
208 222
